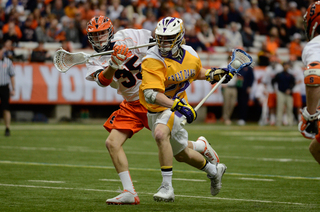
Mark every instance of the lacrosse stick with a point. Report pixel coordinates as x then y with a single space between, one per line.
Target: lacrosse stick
239 60
64 60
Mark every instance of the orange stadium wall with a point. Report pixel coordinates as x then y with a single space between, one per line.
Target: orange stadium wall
43 84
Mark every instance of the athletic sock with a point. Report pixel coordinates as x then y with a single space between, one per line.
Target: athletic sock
198 145
126 181
209 168
166 172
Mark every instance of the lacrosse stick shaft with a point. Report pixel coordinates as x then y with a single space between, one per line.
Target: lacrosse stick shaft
132 47
206 97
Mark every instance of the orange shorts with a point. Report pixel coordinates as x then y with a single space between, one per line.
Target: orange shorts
272 100
131 116
297 100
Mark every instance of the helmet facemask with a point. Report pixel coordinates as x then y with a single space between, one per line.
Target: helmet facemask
169 35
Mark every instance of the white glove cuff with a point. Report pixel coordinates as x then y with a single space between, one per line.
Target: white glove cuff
309 117
113 65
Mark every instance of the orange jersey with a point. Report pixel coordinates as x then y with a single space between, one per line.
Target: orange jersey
168 75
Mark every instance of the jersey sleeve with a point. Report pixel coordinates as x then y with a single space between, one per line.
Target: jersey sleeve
92 67
153 78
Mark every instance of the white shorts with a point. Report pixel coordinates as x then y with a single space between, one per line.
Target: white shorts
179 136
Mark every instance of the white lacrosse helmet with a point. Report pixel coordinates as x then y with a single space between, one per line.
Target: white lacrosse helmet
169 35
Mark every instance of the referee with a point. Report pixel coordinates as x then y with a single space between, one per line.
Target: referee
6 77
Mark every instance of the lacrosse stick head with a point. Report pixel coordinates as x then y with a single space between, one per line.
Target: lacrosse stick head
64 60
239 60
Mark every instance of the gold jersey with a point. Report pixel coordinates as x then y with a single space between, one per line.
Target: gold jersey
168 75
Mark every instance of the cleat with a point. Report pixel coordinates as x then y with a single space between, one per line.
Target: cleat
216 180
209 152
125 198
165 193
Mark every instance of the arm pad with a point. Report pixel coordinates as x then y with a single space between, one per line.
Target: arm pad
150 95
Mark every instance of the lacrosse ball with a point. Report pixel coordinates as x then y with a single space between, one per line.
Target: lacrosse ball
236 64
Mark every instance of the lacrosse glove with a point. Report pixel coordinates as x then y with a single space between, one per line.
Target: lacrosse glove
308 126
214 75
119 56
185 109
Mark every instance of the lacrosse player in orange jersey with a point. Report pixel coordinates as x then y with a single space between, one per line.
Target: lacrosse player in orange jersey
167 70
121 70
309 124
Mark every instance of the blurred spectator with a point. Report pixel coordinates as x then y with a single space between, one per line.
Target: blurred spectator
71 10
12 33
261 96
151 8
124 21
292 16
205 9
234 38
255 13
234 15
40 54
58 9
219 38
285 82
223 18
150 22
86 10
244 83
230 93
273 41
9 52
274 68
193 40
280 9
17 8
206 37
114 10
190 18
264 55
247 35
55 32
41 31
83 36
212 18
242 5
66 46
295 48
28 33
297 71
280 24
72 33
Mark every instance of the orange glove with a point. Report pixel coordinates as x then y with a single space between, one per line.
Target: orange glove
119 56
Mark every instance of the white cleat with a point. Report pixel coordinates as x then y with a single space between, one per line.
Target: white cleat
165 193
125 198
209 152
216 180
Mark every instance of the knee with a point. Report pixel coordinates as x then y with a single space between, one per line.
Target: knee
111 144
181 157
159 136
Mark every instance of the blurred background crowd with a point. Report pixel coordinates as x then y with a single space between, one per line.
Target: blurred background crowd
264 28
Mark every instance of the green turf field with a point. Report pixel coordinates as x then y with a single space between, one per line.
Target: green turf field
67 168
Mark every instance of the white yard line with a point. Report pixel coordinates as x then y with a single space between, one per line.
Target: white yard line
46 181
115 180
153 170
255 179
149 194
191 180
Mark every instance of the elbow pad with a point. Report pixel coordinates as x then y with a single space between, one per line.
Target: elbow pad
150 96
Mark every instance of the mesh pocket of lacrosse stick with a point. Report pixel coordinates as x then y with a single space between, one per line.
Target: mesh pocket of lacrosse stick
239 60
64 60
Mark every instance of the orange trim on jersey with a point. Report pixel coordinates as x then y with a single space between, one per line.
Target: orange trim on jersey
103 80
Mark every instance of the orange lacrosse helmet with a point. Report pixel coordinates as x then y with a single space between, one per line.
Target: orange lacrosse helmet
311 20
100 32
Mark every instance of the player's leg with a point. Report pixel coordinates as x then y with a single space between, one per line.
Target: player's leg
114 144
280 108
204 148
314 149
195 159
162 137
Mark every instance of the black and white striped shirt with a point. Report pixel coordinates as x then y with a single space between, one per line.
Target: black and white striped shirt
6 71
